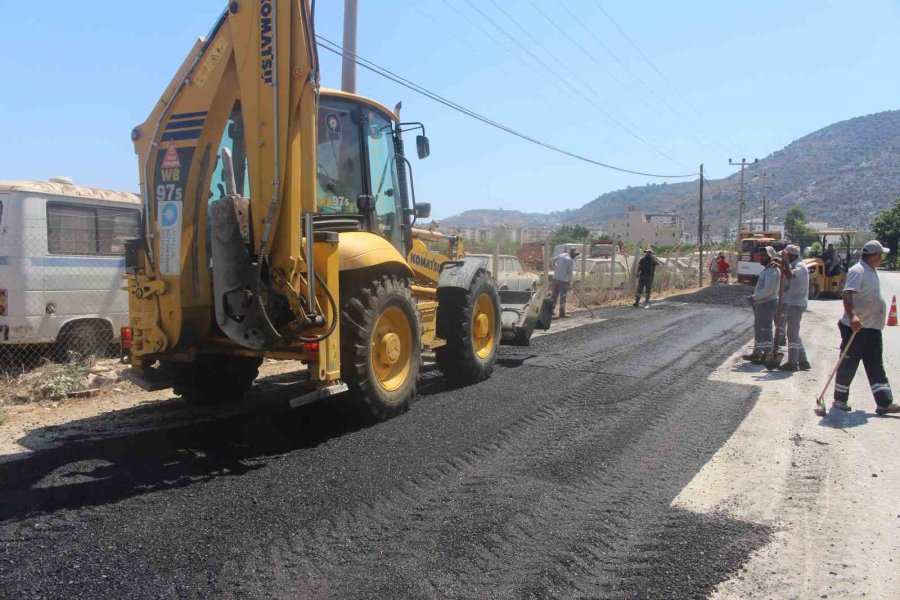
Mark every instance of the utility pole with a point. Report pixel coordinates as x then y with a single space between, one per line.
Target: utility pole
743 164
700 228
348 70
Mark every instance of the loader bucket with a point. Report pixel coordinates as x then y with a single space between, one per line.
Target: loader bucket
521 312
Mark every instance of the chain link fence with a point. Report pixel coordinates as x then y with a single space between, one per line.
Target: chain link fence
61 303
609 280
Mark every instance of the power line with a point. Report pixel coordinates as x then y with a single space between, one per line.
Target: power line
561 79
646 58
334 48
652 91
650 62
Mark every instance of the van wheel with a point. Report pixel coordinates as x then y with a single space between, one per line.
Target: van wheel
83 339
213 379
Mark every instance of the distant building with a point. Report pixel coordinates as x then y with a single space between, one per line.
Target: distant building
655 228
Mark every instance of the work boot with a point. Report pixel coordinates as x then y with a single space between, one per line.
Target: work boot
636 303
888 410
841 405
804 365
789 366
753 356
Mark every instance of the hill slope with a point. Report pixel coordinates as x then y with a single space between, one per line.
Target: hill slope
844 174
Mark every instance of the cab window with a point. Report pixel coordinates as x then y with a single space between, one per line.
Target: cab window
339 177
383 173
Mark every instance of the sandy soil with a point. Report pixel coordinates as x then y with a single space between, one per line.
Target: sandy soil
828 487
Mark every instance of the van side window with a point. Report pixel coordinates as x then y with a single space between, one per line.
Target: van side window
86 230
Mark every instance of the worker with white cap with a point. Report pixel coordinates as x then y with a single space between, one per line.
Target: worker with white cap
795 300
764 301
864 313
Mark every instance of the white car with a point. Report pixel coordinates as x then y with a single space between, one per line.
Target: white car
510 274
598 276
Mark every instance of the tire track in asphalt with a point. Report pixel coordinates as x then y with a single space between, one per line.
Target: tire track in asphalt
497 480
243 508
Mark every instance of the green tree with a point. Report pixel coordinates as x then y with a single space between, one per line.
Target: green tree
887 227
568 234
795 224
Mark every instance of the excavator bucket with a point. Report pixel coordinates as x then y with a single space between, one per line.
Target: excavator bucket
523 312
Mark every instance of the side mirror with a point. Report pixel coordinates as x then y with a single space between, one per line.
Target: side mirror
422 146
423 210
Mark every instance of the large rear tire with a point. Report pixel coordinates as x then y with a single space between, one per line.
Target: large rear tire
214 379
381 347
469 320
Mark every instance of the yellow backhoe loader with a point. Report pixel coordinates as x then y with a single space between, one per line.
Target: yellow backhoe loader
279 218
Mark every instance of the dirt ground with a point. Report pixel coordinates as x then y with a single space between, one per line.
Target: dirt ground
829 488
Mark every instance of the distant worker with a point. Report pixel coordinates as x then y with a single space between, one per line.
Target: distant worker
832 261
794 305
722 266
646 270
564 265
764 301
864 313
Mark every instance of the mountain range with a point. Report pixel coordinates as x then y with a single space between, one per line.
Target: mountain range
843 174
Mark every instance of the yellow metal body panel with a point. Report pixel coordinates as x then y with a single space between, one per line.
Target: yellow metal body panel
361 249
177 148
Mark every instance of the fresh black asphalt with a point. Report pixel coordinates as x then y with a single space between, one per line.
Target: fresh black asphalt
553 479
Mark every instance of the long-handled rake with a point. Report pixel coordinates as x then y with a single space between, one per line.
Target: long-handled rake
820 401
572 288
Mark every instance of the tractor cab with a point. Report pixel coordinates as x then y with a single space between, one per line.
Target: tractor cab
363 178
828 271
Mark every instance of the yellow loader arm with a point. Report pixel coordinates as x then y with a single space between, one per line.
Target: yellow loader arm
221 153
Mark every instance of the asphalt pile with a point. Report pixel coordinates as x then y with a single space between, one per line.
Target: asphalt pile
734 294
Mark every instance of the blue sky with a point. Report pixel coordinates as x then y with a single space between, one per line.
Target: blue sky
740 79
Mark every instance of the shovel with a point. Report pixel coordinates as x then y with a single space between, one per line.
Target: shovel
772 359
820 401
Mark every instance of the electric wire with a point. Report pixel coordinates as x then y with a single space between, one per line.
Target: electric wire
578 79
652 65
646 58
564 81
334 48
594 58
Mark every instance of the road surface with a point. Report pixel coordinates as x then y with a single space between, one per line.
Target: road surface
609 460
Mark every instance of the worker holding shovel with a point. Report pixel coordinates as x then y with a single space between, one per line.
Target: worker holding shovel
764 301
861 325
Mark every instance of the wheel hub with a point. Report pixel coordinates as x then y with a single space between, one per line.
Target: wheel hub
389 349
482 325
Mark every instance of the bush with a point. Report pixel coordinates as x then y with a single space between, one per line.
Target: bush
59 380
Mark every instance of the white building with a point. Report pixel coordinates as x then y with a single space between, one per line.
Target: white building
637 227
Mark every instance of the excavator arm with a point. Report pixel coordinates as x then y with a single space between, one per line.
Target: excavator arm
226 188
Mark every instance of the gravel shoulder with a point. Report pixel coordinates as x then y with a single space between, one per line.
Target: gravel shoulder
827 488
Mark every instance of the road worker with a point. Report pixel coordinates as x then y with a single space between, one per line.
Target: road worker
564 266
764 301
646 269
794 302
864 313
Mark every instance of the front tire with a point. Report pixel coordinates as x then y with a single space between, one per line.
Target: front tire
381 348
814 290
469 320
